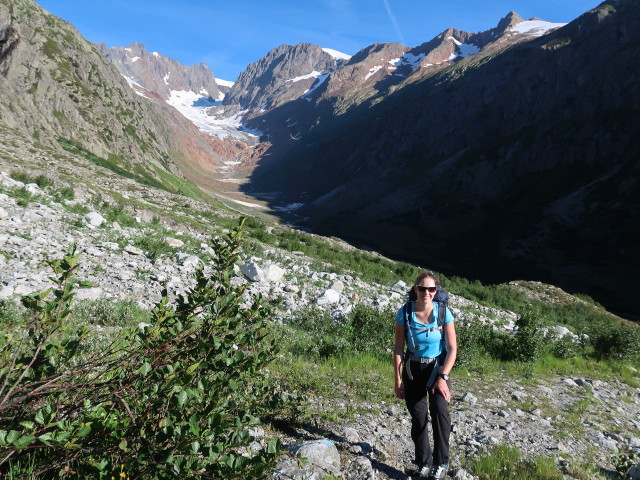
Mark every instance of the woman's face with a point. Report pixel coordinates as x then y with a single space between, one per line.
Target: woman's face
426 289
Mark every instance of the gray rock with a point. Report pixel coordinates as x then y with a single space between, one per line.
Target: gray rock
174 242
400 287
322 453
351 435
360 469
33 188
93 293
272 272
6 291
253 272
337 286
328 297
130 249
94 219
469 398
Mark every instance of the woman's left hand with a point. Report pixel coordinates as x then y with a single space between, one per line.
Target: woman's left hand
442 387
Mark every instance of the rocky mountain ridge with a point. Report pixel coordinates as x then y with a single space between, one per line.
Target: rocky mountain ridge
506 160
160 74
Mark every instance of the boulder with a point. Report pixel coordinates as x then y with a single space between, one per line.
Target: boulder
130 249
174 242
33 188
253 272
400 287
338 286
273 273
94 219
322 453
328 297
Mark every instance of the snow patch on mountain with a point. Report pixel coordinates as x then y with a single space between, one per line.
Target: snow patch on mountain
319 81
314 74
535 27
224 83
139 89
407 59
195 108
463 49
372 71
336 54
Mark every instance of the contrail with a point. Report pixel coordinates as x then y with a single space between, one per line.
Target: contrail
393 20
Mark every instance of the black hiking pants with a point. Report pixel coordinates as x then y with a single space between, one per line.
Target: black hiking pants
416 395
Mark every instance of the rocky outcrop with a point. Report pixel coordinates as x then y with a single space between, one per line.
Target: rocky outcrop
59 90
286 73
161 74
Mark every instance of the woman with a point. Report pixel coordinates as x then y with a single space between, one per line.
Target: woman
431 353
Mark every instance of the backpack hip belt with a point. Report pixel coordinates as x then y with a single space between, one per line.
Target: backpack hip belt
409 357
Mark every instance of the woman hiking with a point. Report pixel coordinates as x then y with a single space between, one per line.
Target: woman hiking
422 374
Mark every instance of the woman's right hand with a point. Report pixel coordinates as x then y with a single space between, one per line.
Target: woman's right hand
400 390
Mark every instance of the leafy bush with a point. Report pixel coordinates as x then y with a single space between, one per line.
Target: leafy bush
473 339
314 333
177 398
528 343
616 341
10 312
371 330
564 348
66 193
22 196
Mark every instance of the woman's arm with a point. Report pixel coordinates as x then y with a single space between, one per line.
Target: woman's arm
440 384
398 352
452 347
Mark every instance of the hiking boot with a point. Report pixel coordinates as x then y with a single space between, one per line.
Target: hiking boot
439 472
418 471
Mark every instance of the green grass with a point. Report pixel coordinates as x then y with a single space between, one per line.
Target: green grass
336 388
108 313
507 463
113 163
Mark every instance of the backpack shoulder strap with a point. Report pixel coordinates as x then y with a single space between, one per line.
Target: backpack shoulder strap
442 314
407 311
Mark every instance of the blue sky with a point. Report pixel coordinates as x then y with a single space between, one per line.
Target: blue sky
229 35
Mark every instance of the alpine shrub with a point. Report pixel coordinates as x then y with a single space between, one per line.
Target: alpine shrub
178 398
617 342
528 343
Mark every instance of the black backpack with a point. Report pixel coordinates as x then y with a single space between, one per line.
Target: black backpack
441 297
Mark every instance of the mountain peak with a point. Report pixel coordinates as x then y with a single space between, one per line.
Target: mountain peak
510 20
